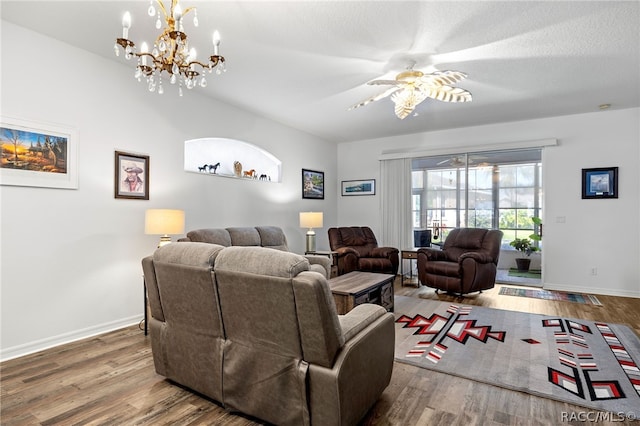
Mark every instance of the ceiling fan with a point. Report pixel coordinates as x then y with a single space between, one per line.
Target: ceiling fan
457 161
411 87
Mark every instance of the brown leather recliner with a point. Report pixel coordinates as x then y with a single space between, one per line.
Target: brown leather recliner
357 250
467 262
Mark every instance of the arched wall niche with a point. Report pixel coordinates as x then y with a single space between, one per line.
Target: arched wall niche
202 155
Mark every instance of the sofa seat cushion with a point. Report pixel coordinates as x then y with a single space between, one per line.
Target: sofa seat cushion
252 260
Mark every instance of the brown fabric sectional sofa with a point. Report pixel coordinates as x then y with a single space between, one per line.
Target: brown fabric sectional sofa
256 330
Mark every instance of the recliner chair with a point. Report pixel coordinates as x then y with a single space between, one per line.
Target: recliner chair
357 250
467 263
255 329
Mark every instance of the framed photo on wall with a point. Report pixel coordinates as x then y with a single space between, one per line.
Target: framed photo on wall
312 184
359 187
131 176
38 154
600 183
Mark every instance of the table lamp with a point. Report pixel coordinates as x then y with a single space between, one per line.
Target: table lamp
164 222
311 220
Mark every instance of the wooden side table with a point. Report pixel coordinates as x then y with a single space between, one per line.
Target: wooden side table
408 254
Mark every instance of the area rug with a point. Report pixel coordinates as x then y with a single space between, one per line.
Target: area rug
588 299
531 273
590 364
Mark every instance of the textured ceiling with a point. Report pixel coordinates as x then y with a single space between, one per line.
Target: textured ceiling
303 63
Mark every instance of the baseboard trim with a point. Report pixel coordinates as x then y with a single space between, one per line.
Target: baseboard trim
591 290
61 339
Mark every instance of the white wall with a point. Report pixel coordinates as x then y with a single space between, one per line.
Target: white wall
71 258
602 234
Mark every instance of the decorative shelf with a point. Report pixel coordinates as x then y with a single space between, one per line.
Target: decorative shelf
220 157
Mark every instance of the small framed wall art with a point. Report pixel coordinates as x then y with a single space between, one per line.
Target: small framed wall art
359 187
38 154
312 184
600 183
131 176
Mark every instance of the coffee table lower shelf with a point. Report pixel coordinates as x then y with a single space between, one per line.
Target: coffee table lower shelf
355 288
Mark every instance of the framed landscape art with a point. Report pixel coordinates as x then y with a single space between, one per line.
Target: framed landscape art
312 184
131 176
359 187
38 154
600 183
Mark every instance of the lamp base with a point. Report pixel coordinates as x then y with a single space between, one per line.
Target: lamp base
164 240
311 241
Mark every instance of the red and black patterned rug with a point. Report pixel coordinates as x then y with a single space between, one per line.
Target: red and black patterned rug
591 364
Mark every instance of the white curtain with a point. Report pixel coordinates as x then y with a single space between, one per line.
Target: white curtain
395 198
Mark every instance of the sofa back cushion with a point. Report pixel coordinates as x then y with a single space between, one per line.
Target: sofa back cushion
352 236
244 236
463 240
189 336
466 238
265 236
261 261
272 237
211 236
263 351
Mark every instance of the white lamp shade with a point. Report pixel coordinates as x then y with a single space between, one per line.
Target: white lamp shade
164 222
310 219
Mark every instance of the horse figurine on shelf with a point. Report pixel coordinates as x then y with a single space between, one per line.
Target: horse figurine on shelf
263 177
214 168
250 173
203 168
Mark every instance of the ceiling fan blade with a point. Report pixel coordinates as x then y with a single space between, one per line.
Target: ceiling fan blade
385 82
443 78
406 101
375 98
448 94
443 161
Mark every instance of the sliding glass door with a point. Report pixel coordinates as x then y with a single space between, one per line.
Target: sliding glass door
497 189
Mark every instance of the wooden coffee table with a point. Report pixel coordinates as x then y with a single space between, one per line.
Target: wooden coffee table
355 288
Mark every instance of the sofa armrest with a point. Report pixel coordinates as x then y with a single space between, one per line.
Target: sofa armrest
359 318
323 261
385 252
477 256
343 251
433 254
343 394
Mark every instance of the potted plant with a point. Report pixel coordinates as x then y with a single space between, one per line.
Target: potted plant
524 246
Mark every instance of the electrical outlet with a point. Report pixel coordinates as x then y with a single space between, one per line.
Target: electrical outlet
594 271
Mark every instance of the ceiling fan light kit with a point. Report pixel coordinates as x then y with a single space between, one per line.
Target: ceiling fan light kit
171 52
411 87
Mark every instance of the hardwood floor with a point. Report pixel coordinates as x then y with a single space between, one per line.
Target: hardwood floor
110 380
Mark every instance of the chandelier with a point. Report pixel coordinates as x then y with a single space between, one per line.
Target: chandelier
171 52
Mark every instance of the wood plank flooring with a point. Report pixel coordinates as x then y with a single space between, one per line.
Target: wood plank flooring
110 380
